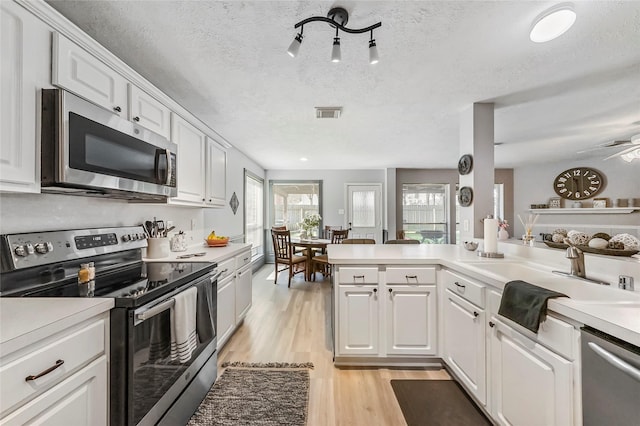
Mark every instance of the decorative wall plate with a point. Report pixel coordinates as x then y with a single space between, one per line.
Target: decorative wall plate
465 196
465 164
234 203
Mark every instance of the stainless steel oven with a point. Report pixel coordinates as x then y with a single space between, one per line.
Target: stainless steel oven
88 150
151 381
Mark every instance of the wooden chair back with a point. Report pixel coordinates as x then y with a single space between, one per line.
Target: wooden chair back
358 241
281 244
279 228
402 242
328 231
339 235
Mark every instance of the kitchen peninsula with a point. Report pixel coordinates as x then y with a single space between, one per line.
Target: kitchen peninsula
419 305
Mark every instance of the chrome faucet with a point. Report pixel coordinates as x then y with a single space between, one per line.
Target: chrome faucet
576 256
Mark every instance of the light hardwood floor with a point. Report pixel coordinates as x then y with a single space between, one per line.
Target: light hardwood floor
294 325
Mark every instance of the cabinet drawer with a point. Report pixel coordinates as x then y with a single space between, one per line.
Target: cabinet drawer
465 288
358 275
76 347
411 275
227 268
243 259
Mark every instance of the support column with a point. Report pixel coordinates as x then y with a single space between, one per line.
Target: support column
477 138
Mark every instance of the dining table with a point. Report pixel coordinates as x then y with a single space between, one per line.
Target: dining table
309 245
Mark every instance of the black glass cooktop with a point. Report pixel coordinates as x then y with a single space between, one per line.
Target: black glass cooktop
132 286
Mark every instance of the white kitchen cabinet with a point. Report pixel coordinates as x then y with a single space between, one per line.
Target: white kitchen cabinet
531 385
78 71
358 318
25 55
50 381
191 161
464 343
243 292
149 112
216 184
226 313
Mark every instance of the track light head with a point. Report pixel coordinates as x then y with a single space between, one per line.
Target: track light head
294 47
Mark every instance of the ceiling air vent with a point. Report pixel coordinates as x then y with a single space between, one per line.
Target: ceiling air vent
328 112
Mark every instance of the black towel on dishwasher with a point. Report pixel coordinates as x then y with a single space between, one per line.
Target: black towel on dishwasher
525 304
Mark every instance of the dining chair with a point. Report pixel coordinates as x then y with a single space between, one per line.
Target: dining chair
328 229
284 255
321 261
359 241
402 242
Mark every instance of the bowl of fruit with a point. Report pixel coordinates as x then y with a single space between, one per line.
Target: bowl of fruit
214 240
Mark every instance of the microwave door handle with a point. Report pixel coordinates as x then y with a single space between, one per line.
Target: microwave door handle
151 312
167 154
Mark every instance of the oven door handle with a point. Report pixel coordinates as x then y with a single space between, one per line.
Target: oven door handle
618 363
167 155
215 275
155 310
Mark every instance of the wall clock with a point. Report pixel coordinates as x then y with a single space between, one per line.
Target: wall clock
465 196
578 183
465 164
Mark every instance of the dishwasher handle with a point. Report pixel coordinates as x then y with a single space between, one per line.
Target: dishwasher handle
618 363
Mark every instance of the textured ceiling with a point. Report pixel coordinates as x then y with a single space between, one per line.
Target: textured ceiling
226 62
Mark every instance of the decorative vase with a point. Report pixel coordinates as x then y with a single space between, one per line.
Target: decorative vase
503 234
313 233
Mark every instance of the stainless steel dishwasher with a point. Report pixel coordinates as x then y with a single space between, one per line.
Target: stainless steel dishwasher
610 380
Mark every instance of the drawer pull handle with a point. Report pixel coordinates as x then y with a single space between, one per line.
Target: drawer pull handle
411 277
358 277
45 372
459 285
475 314
492 324
246 258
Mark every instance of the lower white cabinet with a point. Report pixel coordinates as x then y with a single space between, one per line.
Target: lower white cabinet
243 292
226 314
531 385
411 320
358 320
464 343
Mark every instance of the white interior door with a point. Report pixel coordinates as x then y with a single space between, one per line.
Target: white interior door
364 211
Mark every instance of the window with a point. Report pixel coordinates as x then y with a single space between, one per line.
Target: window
292 200
425 212
254 213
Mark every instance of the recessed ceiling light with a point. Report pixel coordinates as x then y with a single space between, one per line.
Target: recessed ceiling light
552 23
304 159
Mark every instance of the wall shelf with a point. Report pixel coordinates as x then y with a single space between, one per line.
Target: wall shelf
586 210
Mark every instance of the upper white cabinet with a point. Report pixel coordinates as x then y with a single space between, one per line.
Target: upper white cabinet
148 112
191 161
216 185
25 55
78 71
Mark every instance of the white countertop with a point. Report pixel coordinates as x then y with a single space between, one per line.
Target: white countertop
606 308
212 254
27 319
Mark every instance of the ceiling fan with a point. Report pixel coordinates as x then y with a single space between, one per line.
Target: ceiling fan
630 146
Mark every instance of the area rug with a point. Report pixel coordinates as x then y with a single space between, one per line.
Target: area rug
263 394
436 403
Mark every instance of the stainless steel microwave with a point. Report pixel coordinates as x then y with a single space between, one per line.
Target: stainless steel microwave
89 150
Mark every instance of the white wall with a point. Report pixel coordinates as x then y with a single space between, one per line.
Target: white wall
534 185
333 181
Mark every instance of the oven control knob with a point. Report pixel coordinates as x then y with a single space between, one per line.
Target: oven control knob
41 248
134 237
20 251
49 246
126 238
30 249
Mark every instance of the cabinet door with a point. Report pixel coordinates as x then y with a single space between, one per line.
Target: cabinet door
216 174
148 112
530 384
411 320
226 309
83 74
464 343
81 399
358 320
243 292
25 54
191 164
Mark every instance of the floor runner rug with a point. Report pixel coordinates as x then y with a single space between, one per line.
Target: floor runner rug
262 394
436 403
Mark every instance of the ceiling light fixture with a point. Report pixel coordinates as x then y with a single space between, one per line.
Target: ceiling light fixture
552 23
337 18
630 156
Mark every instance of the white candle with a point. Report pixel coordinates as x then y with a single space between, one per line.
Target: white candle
491 235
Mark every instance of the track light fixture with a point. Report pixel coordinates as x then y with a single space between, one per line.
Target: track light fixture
337 18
